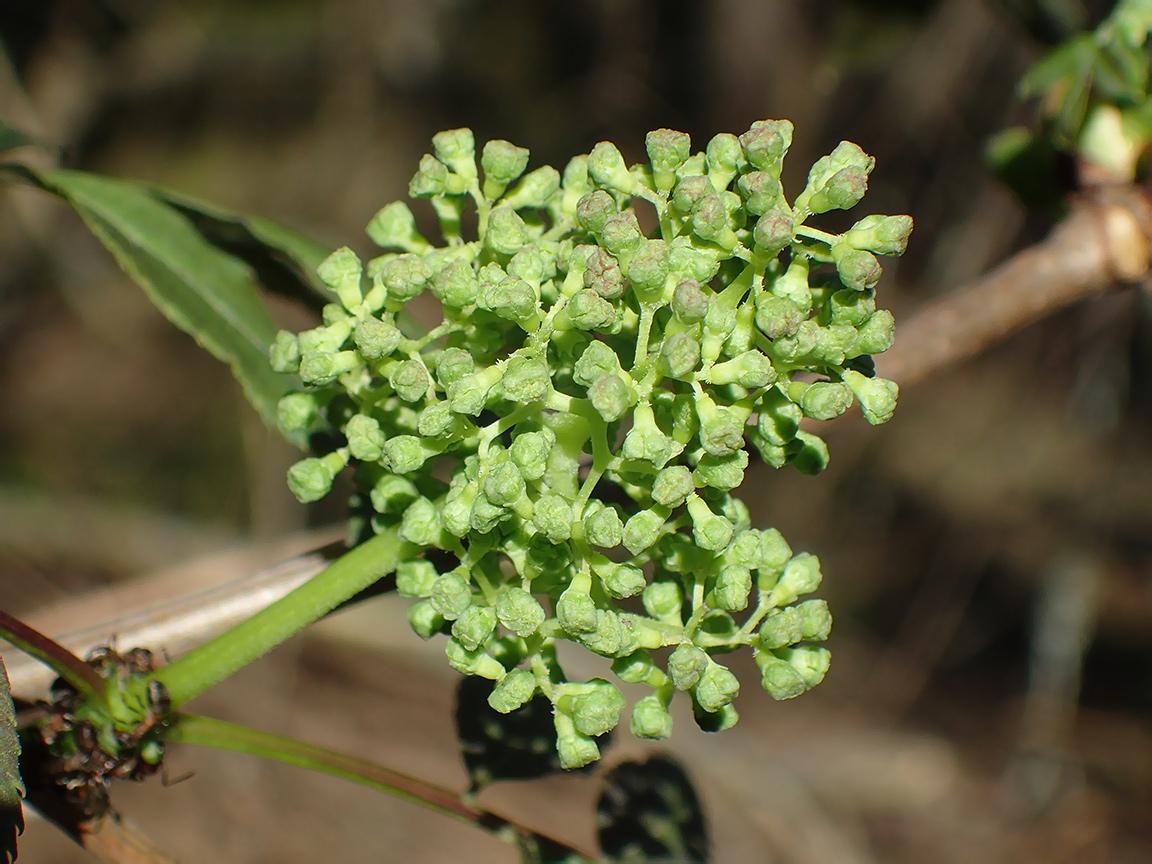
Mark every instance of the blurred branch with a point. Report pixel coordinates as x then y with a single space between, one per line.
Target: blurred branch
1101 243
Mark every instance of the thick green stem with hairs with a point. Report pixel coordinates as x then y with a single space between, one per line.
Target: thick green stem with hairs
215 660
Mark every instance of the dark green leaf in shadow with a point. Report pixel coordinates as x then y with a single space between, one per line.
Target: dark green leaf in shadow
11 787
285 260
540 850
649 812
519 745
204 291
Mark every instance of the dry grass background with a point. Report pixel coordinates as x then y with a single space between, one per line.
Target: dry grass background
1010 497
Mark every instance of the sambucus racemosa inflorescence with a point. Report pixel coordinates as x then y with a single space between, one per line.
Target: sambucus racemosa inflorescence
587 399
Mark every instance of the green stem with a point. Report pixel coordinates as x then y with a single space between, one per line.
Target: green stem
209 732
84 678
215 660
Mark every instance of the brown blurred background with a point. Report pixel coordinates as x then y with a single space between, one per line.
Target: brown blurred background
988 554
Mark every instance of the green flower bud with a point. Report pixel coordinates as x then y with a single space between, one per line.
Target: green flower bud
365 438
611 397
608 637
642 530
598 711
621 235
410 380
485 515
311 479
721 472
846 155
779 679
296 412
779 419
778 316
877 396
603 274
782 627
636 668
394 227
375 338
529 452
504 485
645 441
526 380
421 523
751 370
587 310
403 277
474 626
457 512
690 192
529 264
815 620
884 235
431 178
392 494
341 271
663 601
710 221
602 527
502 162
476 662
809 660
284 354
875 336
316 370
810 453
451 595
689 303
774 554
762 194
672 486
415 577
452 364
574 750
710 531
575 611
681 354
731 589
606 168
724 157
651 720
801 576
721 430
858 270
667 151
469 394
620 580
594 209
405 453
552 517
519 611
424 620
765 144
513 691
774 231
717 688
842 191
456 148
851 307
821 400
456 285
535 190
597 361
513 299
438 421
324 340
648 269
506 232
686 664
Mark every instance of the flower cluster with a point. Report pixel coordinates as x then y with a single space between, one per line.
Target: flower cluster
571 433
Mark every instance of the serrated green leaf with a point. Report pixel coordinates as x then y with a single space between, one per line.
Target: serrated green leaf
203 290
284 259
11 786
